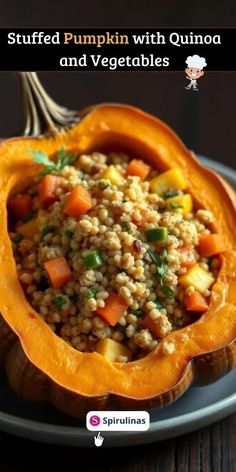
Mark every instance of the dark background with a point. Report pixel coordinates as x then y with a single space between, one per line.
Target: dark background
206 121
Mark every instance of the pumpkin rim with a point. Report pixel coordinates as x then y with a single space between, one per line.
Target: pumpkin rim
230 196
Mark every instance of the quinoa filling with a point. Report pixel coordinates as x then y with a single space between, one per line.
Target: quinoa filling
111 253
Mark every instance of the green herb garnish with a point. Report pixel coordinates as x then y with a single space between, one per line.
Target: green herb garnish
126 226
162 265
59 302
162 268
91 292
29 216
92 259
17 238
167 291
171 193
154 256
174 205
63 159
138 313
68 233
158 304
46 230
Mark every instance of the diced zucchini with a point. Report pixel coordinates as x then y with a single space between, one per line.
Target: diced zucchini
92 259
112 174
199 278
182 203
111 349
172 179
157 234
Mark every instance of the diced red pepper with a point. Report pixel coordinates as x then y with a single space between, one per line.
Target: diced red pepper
20 205
188 256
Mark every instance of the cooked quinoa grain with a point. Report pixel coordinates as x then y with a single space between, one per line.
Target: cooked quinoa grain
109 260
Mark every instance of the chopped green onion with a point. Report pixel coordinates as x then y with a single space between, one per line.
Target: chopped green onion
59 302
92 259
46 230
157 234
91 292
171 193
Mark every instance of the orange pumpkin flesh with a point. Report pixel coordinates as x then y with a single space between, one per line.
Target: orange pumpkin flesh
39 364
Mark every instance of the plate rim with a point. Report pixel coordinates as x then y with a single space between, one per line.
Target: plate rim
225 403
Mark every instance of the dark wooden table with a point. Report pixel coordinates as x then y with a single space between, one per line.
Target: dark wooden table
206 122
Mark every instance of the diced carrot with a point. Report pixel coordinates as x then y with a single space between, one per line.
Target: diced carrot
188 256
58 272
196 302
47 189
210 245
152 326
138 168
78 202
114 308
141 223
20 205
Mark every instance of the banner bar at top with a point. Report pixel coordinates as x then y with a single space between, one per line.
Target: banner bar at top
115 49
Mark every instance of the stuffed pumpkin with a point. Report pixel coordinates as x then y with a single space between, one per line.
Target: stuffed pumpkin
118 265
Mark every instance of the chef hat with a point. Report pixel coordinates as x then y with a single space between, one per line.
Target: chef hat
196 61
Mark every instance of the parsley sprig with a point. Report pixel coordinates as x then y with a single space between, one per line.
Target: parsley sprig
162 268
63 158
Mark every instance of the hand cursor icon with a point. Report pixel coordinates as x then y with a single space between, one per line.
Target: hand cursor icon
98 440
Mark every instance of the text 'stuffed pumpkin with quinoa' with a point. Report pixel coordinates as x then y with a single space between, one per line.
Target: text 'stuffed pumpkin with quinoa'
118 265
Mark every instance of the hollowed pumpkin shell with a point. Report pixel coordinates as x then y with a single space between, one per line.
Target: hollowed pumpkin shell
40 365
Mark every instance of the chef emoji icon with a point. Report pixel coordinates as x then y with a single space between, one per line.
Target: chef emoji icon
194 70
